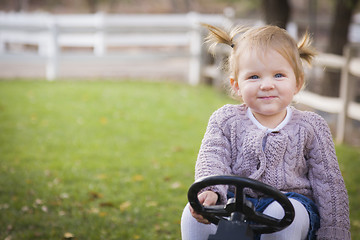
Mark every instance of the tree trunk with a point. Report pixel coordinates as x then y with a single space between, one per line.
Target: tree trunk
181 6
338 39
277 12
92 5
21 5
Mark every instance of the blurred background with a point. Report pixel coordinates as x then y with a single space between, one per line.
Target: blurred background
103 105
161 40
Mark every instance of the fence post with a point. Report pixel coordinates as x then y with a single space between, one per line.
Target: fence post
195 50
344 96
52 51
99 45
2 44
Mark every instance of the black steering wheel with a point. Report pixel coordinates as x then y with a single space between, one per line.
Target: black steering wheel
239 205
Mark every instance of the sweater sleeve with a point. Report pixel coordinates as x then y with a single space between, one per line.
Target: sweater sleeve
215 153
327 183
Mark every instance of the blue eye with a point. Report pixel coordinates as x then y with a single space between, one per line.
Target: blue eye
279 75
254 77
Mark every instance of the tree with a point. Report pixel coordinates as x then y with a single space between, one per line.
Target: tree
181 6
338 38
277 12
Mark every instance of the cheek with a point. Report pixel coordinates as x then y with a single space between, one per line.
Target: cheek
288 92
246 92
248 88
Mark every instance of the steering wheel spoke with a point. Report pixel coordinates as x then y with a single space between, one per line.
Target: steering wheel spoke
264 219
217 209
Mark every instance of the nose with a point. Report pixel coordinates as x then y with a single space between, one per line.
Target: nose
267 84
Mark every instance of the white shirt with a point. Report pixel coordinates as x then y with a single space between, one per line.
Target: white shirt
268 130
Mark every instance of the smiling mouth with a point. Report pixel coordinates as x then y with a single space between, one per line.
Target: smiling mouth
267 97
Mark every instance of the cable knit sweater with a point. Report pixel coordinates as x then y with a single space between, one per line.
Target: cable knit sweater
300 158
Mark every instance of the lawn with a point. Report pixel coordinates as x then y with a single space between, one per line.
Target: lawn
106 159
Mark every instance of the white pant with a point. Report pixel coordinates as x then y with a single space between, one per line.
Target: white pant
297 230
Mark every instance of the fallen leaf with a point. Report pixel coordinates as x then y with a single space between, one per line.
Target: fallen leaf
106 204
167 178
33 117
175 185
55 203
39 202
177 149
151 204
101 176
47 172
136 237
102 214
68 235
137 178
95 195
94 210
103 120
9 228
44 209
56 181
64 196
62 213
25 209
155 164
4 206
125 205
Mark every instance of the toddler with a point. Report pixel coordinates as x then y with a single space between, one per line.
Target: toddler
268 140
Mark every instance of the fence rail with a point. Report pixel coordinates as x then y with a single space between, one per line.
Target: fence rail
101 32
345 106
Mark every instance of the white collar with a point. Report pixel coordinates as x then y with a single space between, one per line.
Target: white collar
278 127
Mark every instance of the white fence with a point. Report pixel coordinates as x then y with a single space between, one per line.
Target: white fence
345 106
179 33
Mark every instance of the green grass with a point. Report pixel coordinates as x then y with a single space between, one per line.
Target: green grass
349 160
108 160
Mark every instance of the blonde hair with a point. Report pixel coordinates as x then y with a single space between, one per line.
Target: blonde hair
261 39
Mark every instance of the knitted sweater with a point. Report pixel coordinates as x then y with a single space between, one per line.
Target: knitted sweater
300 158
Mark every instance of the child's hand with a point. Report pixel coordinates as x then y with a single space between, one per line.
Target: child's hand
207 198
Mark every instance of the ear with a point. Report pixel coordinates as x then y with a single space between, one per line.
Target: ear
299 84
234 84
235 87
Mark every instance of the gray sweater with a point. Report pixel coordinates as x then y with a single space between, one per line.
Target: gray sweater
300 158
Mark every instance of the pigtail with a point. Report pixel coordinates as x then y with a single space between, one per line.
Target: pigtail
217 36
306 51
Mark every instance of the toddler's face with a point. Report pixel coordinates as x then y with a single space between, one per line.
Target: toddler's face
267 83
